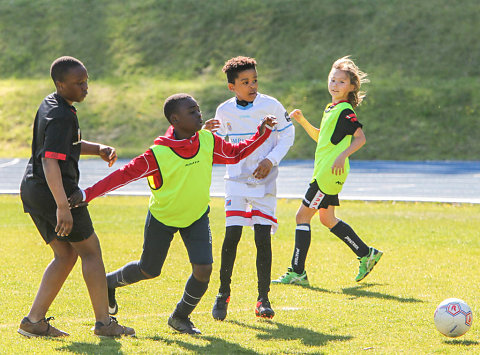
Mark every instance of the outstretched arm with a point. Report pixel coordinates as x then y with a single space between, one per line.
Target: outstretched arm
311 130
142 166
105 152
228 153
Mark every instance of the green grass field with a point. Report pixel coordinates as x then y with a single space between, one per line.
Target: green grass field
431 253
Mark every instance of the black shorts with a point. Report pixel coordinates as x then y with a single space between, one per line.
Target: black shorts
81 230
316 199
157 238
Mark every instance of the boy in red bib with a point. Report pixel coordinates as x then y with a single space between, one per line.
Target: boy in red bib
179 169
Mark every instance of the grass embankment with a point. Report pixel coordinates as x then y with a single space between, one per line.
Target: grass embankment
423 99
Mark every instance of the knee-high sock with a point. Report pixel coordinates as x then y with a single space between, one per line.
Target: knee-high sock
264 258
194 290
349 237
229 253
126 275
303 236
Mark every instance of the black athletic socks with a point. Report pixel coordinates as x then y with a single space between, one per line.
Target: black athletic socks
349 237
264 258
126 275
229 253
303 236
194 290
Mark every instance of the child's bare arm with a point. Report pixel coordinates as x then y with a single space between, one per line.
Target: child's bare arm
311 130
53 176
105 152
357 142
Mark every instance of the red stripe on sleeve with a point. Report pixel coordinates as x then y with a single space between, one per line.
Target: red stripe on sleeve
142 166
228 153
53 155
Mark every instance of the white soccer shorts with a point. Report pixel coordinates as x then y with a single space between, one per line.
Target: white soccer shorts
247 211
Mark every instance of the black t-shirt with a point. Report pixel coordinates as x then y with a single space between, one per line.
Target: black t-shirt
347 124
56 134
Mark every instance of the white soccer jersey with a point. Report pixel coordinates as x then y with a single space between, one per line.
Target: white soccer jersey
239 123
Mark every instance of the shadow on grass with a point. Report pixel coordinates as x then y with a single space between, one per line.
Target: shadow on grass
105 346
282 331
215 345
359 291
313 288
461 342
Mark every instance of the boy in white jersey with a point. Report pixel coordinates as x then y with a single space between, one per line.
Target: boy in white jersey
250 185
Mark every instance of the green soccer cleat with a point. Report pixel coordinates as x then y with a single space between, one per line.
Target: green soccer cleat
367 263
292 278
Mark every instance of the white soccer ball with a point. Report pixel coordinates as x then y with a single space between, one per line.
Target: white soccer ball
453 317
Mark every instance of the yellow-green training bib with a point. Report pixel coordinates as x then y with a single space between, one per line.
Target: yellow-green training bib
184 194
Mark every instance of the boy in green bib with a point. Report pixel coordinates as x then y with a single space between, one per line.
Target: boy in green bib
178 167
340 135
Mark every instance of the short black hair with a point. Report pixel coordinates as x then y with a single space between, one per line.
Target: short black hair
172 102
61 66
236 65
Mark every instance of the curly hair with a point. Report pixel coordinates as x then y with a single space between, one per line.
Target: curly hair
236 65
61 66
357 78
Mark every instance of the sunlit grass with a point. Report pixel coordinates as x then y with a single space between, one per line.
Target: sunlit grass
431 253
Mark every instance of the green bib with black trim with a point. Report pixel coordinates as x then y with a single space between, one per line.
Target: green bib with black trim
184 193
327 152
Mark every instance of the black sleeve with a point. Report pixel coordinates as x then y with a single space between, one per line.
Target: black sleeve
347 124
58 136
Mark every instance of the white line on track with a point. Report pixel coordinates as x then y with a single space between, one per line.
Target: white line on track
9 163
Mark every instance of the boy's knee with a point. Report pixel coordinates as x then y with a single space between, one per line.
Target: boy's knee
202 272
67 258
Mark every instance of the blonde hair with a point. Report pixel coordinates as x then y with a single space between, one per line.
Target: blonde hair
357 78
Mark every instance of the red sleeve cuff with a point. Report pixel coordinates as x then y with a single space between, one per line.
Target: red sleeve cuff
53 155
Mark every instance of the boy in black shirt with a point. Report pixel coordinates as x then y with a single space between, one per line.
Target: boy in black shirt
51 175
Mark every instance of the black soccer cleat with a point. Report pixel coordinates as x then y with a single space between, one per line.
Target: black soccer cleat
183 325
219 311
112 302
263 309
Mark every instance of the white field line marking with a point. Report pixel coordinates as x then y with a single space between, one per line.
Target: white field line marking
10 163
440 199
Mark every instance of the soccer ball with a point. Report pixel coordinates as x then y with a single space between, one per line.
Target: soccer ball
453 317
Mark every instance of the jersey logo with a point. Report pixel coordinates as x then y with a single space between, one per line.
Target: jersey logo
229 126
352 117
329 108
192 163
287 117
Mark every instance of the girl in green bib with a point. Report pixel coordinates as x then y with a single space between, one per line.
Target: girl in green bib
339 136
